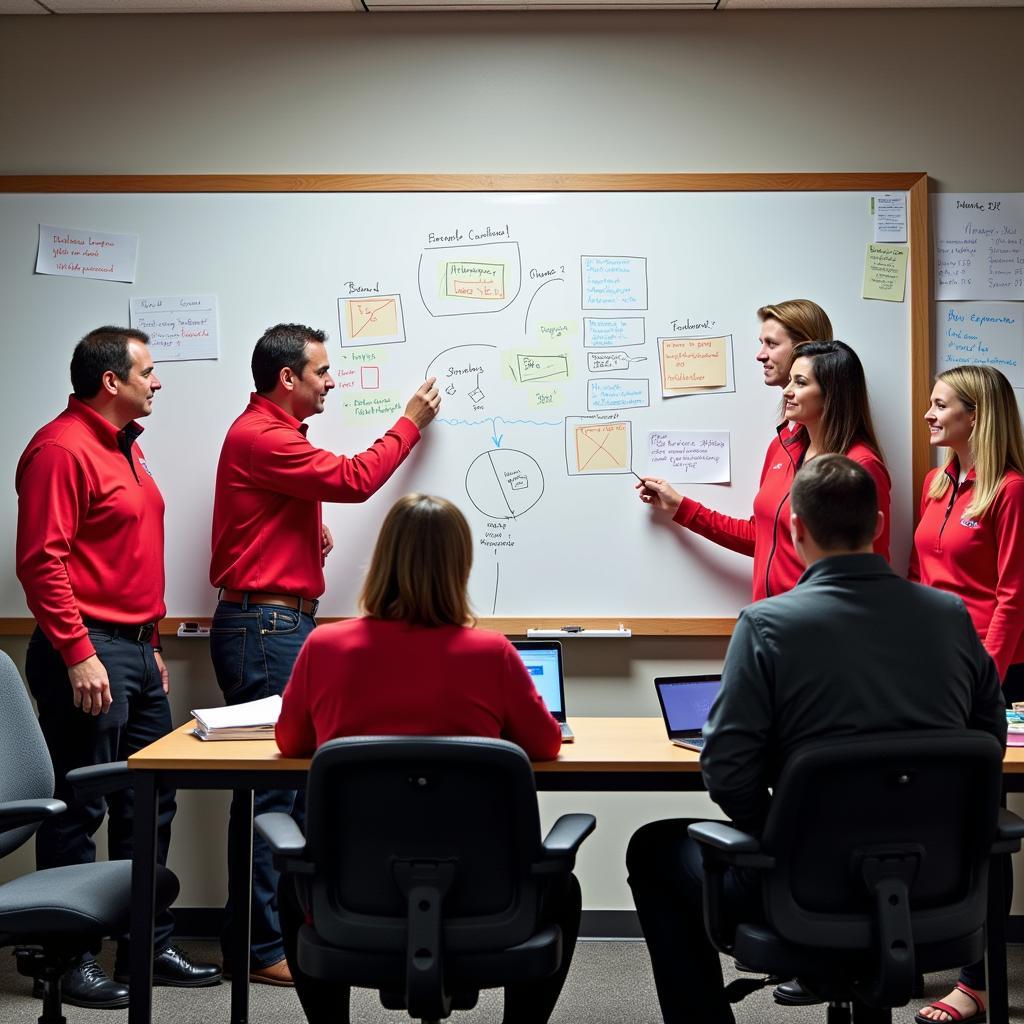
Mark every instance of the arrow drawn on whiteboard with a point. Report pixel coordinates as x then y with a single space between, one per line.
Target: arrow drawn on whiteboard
495 436
526 319
497 577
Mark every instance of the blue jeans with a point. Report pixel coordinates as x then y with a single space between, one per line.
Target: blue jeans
138 715
254 648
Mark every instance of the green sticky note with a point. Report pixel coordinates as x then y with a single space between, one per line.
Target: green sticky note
885 272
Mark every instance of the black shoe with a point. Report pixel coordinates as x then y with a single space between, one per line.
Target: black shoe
792 993
88 985
171 967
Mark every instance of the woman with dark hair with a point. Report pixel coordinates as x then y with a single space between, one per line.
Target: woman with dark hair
433 675
826 401
970 541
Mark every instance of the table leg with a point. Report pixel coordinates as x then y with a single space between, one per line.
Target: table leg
240 875
140 1006
995 929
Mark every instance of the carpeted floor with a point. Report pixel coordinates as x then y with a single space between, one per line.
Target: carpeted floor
610 983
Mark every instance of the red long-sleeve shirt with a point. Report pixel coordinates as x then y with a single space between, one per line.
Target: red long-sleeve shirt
367 677
270 483
90 529
765 535
981 561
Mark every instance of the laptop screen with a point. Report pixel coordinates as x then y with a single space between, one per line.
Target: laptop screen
686 702
544 663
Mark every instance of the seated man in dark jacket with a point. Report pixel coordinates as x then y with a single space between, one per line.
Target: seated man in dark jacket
852 648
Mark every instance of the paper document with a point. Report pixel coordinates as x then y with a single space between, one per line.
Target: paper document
253 720
889 211
72 252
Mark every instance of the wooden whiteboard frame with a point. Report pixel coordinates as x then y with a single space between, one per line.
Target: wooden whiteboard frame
914 183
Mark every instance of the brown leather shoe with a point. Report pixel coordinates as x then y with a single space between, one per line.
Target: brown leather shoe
272 974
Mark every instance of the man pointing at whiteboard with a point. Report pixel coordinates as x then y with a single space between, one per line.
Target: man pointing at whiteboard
269 546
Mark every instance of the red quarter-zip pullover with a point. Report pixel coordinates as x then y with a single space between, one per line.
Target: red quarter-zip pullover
90 529
270 483
979 560
765 535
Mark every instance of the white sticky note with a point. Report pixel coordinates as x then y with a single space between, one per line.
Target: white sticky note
77 252
689 456
180 327
889 212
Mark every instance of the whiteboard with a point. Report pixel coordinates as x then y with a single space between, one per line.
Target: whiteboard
507 298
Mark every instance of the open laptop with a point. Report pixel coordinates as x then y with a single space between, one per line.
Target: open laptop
543 660
685 704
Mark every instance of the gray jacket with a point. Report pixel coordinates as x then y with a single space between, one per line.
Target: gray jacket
853 648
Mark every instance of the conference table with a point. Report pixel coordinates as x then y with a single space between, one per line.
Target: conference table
609 755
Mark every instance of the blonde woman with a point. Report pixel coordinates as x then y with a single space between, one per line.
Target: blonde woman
432 674
970 541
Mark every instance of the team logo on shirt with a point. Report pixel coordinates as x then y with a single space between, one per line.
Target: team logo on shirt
142 463
971 524
778 465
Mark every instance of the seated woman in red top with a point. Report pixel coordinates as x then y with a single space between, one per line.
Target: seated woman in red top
970 541
827 398
433 675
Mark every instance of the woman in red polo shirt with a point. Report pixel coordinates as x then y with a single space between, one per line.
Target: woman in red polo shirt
826 400
970 541
433 675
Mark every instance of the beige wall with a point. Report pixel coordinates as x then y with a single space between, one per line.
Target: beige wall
927 90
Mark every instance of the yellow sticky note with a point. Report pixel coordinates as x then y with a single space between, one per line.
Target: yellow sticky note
692 363
885 272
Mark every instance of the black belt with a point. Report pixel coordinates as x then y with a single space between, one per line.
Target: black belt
137 634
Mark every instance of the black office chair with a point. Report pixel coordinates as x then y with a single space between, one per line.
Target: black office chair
423 869
874 865
51 916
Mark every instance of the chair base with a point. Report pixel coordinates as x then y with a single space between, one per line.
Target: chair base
48 968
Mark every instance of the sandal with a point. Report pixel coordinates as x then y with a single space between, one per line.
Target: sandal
978 1017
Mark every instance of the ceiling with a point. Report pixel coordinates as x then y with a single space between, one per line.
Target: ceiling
57 7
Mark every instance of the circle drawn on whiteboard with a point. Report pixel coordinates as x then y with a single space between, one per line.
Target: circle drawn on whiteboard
504 483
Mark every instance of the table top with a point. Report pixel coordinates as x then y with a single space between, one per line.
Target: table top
602 745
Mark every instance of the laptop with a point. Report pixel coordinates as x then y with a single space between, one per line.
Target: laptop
685 704
543 660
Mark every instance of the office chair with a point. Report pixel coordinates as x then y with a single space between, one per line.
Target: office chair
423 869
874 865
52 916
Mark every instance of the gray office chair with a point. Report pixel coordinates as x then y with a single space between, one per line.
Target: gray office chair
874 866
52 916
423 869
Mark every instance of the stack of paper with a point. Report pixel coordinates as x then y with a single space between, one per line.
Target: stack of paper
254 720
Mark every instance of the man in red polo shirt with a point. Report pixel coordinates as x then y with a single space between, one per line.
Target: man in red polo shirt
269 546
90 553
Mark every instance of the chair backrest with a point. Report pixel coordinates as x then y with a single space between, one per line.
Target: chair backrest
850 808
380 807
26 772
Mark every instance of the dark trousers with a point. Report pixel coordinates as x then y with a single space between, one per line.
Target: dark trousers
253 648
973 975
666 874
526 1003
138 715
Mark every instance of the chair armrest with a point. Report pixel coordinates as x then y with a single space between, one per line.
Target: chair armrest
726 843
561 843
17 813
286 842
1009 832
99 779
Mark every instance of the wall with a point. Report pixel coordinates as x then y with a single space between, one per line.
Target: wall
726 91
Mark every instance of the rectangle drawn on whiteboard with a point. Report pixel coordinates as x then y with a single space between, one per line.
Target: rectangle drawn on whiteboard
614 282
180 327
596 445
542 367
689 456
606 393
981 334
613 332
693 366
371 320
